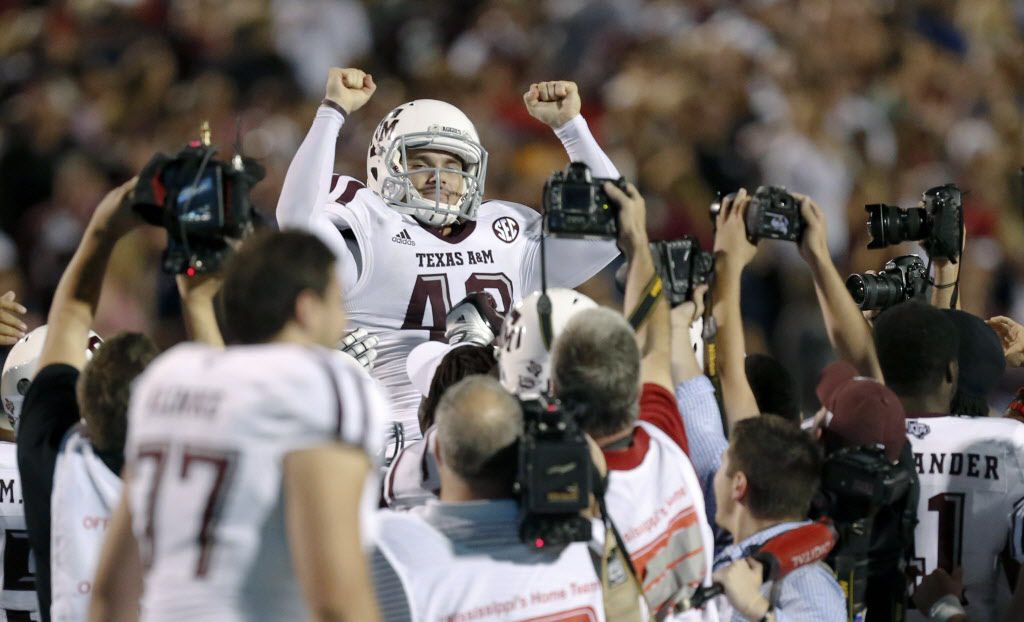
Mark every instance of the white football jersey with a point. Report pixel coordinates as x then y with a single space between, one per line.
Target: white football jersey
18 600
972 478
85 493
403 279
411 277
208 432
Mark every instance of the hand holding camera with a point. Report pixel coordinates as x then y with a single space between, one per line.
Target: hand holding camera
114 214
632 220
733 249
814 243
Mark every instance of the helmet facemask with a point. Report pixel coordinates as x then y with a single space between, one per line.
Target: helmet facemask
401 194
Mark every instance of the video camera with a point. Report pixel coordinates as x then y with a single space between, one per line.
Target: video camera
938 224
576 205
903 278
555 476
857 482
201 202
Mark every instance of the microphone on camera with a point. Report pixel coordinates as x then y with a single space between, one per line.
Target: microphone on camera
780 556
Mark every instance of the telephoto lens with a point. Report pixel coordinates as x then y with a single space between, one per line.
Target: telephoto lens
901 279
889 225
876 291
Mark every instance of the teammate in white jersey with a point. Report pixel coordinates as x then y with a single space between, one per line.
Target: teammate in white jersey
247 468
418 236
17 568
79 512
971 469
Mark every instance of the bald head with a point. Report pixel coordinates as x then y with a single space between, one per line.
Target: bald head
477 424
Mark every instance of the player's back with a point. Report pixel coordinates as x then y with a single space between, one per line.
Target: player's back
18 600
971 480
208 433
411 276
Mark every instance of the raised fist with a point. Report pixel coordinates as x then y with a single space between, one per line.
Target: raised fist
349 88
553 103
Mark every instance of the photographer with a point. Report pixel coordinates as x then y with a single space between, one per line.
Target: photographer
462 557
68 471
876 544
624 391
968 467
769 475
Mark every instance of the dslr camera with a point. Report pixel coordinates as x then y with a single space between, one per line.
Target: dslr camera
774 214
201 202
555 476
938 225
682 266
576 205
903 278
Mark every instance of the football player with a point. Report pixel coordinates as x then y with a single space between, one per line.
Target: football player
18 598
248 475
417 235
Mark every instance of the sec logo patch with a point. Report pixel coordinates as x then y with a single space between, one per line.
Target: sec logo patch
506 229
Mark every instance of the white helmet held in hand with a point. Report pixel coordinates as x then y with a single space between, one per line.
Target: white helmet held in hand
523 357
432 125
20 368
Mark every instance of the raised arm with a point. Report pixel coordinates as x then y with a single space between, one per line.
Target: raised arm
307 183
847 329
198 294
78 294
557 104
945 274
655 334
732 253
308 180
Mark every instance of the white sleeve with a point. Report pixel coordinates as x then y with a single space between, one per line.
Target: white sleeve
581 146
307 185
572 262
569 262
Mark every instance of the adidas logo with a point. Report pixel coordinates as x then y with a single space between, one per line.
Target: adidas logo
403 237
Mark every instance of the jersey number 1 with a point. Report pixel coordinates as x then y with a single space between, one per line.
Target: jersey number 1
951 508
221 462
433 289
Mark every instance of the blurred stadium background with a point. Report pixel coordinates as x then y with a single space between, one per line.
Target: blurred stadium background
852 102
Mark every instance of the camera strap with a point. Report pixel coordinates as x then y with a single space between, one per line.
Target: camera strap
652 291
710 338
621 593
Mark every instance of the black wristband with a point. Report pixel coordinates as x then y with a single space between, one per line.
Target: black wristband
771 609
330 103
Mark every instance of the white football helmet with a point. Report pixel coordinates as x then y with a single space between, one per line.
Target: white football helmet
523 358
20 368
434 125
